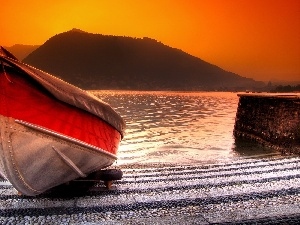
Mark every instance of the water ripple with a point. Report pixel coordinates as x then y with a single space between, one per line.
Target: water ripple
176 127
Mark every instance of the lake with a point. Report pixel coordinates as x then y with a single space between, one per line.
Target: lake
179 127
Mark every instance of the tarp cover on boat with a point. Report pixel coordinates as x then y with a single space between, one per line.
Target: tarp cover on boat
67 93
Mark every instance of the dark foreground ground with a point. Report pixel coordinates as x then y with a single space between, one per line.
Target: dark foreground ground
248 191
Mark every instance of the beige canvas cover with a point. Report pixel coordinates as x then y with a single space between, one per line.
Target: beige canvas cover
67 92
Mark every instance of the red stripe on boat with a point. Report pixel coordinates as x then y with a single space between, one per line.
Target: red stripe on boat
23 98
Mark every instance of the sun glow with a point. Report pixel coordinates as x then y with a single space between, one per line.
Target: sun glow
257 39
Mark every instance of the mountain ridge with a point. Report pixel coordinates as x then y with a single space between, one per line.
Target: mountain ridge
96 61
21 51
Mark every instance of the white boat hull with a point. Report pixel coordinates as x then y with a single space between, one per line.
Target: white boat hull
35 161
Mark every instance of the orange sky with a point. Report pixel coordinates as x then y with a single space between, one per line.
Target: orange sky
259 39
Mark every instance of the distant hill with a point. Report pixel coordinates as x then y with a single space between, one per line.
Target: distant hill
22 51
95 61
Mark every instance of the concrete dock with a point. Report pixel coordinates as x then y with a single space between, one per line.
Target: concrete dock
272 120
246 191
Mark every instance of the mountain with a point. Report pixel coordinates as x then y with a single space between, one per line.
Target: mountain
95 61
22 51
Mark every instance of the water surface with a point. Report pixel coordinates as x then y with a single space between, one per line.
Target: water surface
177 127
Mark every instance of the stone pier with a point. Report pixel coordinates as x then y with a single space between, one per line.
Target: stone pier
270 119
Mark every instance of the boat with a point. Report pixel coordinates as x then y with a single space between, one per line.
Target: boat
51 132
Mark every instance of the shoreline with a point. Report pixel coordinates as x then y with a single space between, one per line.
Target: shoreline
243 191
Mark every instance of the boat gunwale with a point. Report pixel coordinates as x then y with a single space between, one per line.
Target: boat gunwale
106 113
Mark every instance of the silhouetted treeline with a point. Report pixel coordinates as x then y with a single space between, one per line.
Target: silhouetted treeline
287 88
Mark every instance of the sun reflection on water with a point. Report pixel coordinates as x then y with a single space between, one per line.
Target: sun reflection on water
175 127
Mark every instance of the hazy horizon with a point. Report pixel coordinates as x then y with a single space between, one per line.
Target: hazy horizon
254 39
